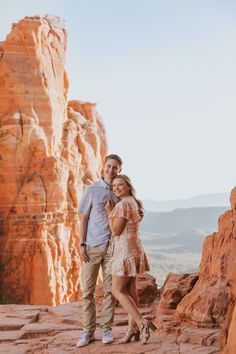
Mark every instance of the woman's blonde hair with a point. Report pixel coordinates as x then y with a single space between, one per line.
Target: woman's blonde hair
132 190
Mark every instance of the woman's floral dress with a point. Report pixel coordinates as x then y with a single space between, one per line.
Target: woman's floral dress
128 258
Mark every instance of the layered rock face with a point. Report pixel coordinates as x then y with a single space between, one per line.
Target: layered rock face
207 304
229 338
49 150
211 303
194 305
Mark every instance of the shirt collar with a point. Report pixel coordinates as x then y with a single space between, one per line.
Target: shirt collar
104 184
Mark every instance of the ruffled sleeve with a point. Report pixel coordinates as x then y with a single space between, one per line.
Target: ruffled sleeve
118 211
126 209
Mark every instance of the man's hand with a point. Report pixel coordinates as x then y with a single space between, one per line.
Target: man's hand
109 206
141 213
83 255
83 231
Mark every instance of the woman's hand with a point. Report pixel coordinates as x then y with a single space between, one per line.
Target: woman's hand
109 206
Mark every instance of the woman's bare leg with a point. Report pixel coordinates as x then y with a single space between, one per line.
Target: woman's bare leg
132 291
120 291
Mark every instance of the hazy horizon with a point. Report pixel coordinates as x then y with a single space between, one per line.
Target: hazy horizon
173 240
163 74
193 196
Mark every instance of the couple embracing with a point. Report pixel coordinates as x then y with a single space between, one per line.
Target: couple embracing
109 217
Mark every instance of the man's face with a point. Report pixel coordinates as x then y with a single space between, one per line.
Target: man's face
111 169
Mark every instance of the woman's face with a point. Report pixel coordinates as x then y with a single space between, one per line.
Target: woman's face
120 188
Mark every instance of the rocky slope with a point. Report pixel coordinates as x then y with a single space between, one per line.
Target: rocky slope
229 325
206 300
49 150
55 330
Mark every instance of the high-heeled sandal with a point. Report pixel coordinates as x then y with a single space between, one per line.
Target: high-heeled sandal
131 333
145 330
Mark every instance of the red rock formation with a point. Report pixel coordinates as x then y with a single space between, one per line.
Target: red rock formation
229 338
48 152
207 304
187 304
44 330
146 289
176 286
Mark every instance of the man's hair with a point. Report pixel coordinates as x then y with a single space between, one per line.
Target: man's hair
114 157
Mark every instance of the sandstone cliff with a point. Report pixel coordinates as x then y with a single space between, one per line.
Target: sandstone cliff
192 306
211 303
49 150
229 327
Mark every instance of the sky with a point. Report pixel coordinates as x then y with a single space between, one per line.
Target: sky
163 75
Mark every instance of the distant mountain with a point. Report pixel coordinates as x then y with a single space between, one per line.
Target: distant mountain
173 240
205 200
181 220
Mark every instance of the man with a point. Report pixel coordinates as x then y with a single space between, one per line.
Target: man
94 238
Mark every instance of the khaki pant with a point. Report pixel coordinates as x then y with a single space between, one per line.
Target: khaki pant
89 276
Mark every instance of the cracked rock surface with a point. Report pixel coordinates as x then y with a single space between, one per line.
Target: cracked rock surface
55 330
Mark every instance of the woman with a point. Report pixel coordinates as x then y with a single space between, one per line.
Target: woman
128 257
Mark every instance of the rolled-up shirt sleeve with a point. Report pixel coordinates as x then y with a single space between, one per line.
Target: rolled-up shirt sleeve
85 203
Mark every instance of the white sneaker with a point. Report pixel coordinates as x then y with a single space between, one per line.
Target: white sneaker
85 338
107 336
